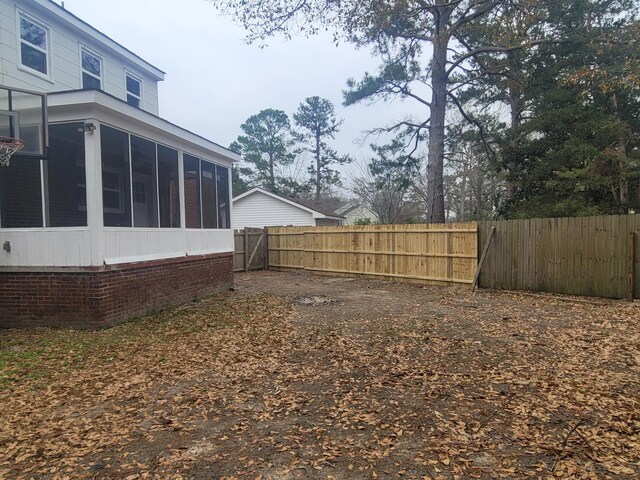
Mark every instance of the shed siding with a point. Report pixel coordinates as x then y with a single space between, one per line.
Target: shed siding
259 210
64 59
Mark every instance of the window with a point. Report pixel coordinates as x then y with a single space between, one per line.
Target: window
134 91
145 182
139 192
34 45
222 180
116 184
192 191
206 188
61 177
168 187
66 176
91 70
148 197
21 194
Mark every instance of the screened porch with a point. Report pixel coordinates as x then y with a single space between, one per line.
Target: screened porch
117 185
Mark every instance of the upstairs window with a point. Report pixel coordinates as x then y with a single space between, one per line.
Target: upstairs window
34 44
134 91
91 70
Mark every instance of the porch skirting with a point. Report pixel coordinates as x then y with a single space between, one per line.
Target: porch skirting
100 297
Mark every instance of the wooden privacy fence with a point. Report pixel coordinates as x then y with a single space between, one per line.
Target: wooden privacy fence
249 253
419 253
596 256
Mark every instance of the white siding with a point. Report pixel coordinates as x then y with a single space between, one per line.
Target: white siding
64 59
260 210
73 248
135 245
46 248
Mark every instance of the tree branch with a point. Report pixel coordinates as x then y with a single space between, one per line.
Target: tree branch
488 49
478 12
473 121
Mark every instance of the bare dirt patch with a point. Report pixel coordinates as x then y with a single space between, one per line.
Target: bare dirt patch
384 380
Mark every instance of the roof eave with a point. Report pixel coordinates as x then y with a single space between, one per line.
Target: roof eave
103 100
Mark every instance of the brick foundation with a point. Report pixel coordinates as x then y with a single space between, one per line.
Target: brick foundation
109 295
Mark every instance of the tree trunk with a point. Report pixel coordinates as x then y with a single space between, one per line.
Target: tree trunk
318 174
515 107
463 190
272 177
435 158
623 184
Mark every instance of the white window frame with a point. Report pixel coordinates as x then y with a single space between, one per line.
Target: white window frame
119 190
83 71
128 74
47 52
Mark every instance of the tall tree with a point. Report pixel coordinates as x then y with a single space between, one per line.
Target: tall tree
578 152
266 145
317 122
420 42
562 98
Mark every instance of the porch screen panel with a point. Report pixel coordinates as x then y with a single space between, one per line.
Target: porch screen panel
66 176
116 178
208 186
222 181
168 187
144 182
192 191
21 194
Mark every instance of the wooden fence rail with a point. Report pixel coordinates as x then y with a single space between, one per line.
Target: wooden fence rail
417 253
595 256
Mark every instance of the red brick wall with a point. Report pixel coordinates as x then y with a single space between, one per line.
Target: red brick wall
104 297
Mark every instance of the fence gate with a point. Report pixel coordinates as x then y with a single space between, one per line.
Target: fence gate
249 253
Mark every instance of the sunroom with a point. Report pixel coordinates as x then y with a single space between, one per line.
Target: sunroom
119 191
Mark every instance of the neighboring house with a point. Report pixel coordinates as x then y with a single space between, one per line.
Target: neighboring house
354 212
261 208
109 211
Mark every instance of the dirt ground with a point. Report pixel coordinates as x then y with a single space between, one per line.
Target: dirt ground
300 376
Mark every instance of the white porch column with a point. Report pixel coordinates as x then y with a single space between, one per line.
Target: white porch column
93 165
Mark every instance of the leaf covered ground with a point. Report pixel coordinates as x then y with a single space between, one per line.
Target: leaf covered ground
298 376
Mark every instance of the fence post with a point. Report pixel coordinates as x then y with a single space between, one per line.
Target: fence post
476 277
245 255
631 260
265 249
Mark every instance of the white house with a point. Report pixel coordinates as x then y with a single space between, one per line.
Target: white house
109 211
261 208
353 212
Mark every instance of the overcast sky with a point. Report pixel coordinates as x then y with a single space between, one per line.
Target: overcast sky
215 80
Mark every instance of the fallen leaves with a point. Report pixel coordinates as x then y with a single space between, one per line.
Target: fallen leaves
403 382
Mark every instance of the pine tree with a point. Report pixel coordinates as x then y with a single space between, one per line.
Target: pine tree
317 122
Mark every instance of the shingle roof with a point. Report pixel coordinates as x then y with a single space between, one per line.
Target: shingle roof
310 204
